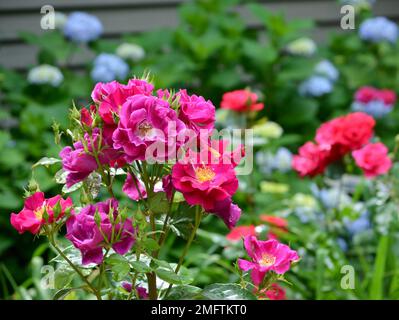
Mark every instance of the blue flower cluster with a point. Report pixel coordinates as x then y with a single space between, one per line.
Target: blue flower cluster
322 82
378 29
375 108
108 67
281 161
82 27
359 225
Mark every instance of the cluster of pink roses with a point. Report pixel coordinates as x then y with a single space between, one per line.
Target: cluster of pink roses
124 122
336 138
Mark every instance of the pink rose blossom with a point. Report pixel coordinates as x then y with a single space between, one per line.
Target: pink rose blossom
85 234
196 112
266 256
373 159
31 219
145 120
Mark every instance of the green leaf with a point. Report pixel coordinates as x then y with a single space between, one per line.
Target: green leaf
377 281
46 162
119 266
63 276
151 244
184 276
140 266
73 188
158 203
226 291
61 294
183 292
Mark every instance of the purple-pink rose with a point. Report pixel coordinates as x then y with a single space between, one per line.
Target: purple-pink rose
145 121
196 112
79 164
90 238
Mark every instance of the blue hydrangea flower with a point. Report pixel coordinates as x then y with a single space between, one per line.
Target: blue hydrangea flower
329 197
376 108
342 244
359 225
282 160
315 86
327 69
108 67
45 74
82 27
378 29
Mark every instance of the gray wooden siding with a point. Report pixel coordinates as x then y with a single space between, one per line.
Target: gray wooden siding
132 16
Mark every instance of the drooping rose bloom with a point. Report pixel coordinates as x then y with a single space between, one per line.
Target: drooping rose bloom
311 161
146 121
167 186
85 234
266 256
237 233
31 219
80 164
134 188
241 101
205 180
373 159
196 112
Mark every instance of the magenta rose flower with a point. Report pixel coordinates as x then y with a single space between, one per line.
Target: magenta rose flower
373 159
145 121
90 238
196 112
111 96
266 256
204 179
79 164
31 219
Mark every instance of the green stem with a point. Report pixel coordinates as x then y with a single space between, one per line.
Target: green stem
198 216
75 268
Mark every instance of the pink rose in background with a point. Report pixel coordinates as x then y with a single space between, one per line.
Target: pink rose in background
79 164
238 233
366 94
310 161
241 101
196 112
388 96
30 218
85 234
266 256
145 120
373 159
